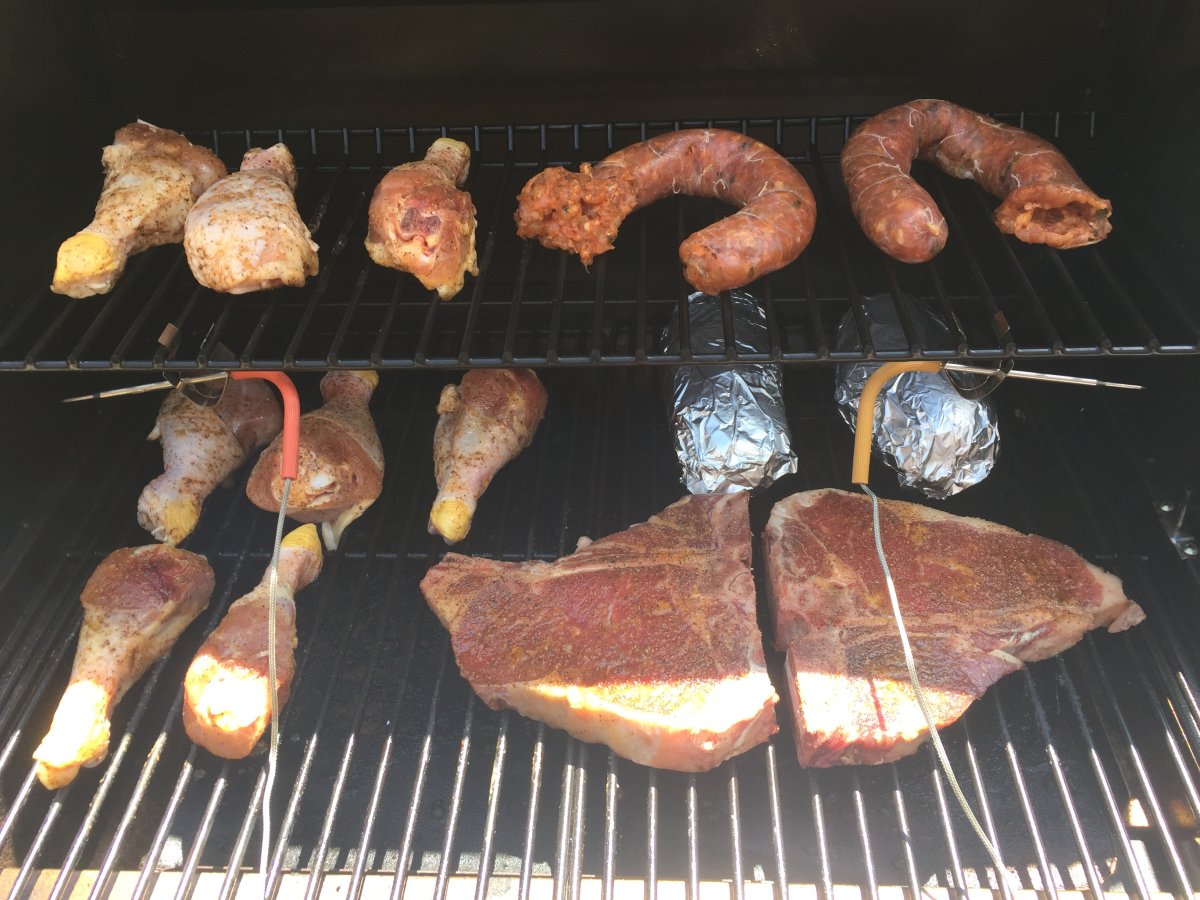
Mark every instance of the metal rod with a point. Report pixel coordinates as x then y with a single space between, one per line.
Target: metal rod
1040 376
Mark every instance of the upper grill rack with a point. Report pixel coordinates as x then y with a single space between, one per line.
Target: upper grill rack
535 307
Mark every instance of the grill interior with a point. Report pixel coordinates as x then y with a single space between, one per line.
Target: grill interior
1131 295
393 778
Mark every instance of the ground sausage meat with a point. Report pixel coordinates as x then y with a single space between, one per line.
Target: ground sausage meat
1044 200
581 212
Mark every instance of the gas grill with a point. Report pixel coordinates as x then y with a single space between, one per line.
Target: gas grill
394 779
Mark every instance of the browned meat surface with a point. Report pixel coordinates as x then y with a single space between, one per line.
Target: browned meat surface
646 640
202 446
152 177
245 234
135 605
226 693
580 213
979 600
340 471
1044 200
420 221
483 423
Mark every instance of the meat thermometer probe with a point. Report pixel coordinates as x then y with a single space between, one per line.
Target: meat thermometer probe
864 427
197 390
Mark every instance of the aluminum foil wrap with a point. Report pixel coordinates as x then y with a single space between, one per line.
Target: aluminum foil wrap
937 440
729 424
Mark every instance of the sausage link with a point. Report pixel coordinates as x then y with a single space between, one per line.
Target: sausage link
1044 201
581 212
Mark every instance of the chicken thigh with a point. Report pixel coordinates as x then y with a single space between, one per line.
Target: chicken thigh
202 446
421 223
137 602
340 470
245 234
226 693
152 177
483 423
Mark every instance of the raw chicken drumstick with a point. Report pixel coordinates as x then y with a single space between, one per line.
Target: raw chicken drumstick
152 177
421 223
245 234
340 471
483 423
226 693
202 446
137 602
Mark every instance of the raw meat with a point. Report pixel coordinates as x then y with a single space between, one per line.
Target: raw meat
340 467
483 424
135 605
245 234
645 640
152 176
226 692
979 600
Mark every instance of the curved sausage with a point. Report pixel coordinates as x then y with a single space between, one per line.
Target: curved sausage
1044 200
581 212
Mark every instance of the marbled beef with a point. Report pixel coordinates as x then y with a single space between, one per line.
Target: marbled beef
979 600
645 640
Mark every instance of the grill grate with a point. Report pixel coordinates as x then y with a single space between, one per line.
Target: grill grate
536 307
394 779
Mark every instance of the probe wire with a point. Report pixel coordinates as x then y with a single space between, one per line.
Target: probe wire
273 749
1002 873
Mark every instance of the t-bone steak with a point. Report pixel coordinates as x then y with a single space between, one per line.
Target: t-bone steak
646 640
979 600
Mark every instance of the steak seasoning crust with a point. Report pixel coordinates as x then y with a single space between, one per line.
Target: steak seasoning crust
646 640
979 601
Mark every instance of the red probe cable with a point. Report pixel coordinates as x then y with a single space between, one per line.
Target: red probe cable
289 458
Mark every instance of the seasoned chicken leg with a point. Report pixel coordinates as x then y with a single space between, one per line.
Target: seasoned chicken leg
202 446
137 602
340 471
484 422
152 178
226 693
421 223
245 233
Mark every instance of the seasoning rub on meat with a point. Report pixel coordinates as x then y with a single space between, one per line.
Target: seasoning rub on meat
645 640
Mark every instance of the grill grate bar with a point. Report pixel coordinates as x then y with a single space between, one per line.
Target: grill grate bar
233 871
1035 830
35 847
652 835
735 834
150 866
777 839
985 813
422 774
1082 307
563 838
460 774
333 358
489 828
864 837
817 806
1131 860
535 794
1130 308
187 878
577 835
910 861
957 874
1130 746
693 842
611 793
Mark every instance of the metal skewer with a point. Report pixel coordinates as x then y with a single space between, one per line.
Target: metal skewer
1039 376
146 388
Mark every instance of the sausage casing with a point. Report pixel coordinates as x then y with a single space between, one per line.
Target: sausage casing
581 212
1044 201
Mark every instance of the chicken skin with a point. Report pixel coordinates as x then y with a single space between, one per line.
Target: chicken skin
202 446
340 472
137 602
226 692
483 423
152 177
245 234
421 223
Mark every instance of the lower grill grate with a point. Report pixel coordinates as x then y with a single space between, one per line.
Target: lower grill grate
534 307
395 780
